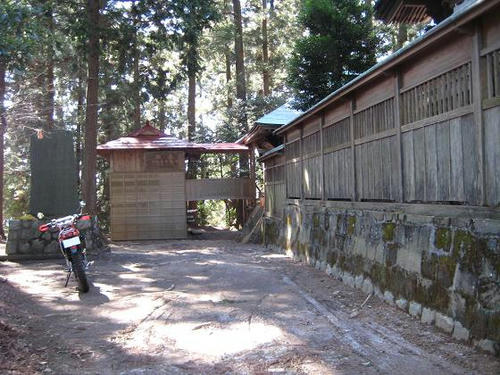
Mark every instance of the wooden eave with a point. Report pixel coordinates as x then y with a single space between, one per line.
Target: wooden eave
151 139
402 11
257 133
272 153
410 14
432 36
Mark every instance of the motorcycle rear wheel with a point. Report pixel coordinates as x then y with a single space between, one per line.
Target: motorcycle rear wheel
78 269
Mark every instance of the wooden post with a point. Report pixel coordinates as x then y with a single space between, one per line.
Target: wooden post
397 123
321 124
353 153
253 189
285 138
301 162
478 110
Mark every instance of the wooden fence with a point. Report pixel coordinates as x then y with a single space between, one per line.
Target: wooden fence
427 131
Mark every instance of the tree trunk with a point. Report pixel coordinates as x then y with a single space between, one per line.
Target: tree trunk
79 121
241 92
39 96
137 90
227 55
191 115
228 79
241 95
402 35
191 110
368 4
162 118
49 100
3 128
137 77
90 157
266 79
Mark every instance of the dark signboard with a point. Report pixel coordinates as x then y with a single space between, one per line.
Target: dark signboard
53 175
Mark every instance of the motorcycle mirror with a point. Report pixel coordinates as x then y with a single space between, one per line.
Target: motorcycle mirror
40 215
82 204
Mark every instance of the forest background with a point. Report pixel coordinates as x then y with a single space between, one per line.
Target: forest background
202 70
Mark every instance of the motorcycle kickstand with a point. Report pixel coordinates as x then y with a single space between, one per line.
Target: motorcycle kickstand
67 279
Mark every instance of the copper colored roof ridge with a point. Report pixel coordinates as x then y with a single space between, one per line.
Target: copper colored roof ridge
148 131
150 138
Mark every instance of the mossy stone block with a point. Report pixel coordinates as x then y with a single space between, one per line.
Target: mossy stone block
388 230
15 224
438 297
430 266
331 257
11 247
494 326
37 246
443 239
446 270
351 225
391 254
316 220
24 248
13 235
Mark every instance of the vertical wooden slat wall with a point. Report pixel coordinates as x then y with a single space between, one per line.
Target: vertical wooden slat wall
430 133
274 177
146 204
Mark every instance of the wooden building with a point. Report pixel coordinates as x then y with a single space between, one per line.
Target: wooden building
269 147
414 11
274 181
421 127
392 182
148 185
262 137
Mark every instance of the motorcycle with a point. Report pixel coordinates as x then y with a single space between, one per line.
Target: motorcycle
71 243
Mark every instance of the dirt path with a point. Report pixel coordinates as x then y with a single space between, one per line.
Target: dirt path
213 307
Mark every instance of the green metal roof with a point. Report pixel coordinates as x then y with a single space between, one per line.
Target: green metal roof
280 116
271 152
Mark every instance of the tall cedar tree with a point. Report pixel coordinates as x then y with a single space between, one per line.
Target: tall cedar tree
16 41
90 143
195 16
340 44
241 92
266 78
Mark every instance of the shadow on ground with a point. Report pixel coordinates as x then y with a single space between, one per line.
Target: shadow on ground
216 306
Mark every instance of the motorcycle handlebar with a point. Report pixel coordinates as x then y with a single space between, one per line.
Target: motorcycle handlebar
62 221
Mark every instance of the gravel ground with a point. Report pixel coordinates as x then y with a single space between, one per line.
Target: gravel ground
212 307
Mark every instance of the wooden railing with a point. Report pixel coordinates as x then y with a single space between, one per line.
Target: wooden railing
492 77
222 188
374 119
444 93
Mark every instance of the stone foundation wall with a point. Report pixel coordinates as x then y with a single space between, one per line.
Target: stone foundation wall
25 241
442 270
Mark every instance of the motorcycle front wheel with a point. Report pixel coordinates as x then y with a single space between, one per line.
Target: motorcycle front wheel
79 270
